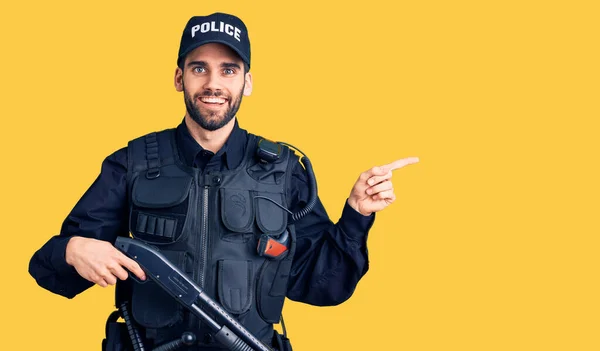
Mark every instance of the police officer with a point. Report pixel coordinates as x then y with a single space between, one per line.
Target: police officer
206 193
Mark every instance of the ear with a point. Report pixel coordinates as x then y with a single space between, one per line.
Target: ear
248 85
178 79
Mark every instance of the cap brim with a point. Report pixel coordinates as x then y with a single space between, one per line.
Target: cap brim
198 44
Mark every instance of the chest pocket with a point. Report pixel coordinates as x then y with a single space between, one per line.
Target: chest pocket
244 213
159 208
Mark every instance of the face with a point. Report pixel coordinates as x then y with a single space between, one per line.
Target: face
213 82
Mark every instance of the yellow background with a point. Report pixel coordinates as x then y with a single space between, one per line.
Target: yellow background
493 242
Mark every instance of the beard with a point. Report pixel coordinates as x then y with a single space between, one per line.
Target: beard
212 120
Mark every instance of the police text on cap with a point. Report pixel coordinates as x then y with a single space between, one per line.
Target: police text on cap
212 27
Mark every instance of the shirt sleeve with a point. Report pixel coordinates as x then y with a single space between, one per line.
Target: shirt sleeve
330 259
101 213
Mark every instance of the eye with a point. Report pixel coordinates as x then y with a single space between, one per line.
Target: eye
198 69
228 71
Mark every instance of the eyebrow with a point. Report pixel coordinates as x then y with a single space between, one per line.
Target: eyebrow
196 63
230 65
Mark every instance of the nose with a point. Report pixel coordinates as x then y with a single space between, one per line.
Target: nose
213 81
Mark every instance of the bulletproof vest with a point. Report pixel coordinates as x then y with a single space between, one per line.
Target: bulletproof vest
209 226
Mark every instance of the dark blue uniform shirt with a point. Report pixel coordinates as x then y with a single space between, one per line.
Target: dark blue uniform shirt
330 258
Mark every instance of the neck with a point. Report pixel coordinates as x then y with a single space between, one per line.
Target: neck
209 140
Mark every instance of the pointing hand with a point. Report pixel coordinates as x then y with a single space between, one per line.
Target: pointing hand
373 191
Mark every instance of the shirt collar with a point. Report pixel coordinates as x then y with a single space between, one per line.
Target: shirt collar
231 153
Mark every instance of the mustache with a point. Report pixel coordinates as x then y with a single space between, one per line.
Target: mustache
210 93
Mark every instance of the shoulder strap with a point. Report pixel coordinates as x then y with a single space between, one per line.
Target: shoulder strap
149 152
152 156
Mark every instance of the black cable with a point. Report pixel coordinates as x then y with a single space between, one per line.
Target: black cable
275 202
312 185
136 340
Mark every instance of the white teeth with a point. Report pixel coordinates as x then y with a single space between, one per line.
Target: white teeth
213 100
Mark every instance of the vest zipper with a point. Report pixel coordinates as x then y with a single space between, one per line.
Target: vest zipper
204 235
202 248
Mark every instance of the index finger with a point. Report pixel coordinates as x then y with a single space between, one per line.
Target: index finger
401 163
132 266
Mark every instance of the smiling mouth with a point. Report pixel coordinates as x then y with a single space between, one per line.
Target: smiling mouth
212 100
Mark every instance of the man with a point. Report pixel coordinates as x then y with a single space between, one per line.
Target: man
206 194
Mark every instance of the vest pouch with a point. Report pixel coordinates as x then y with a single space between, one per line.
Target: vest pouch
117 338
271 286
281 342
234 281
270 218
159 208
237 215
151 306
271 289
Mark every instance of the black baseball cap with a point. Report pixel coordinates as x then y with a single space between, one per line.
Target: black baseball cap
215 28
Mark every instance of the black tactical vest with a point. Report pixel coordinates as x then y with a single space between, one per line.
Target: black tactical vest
209 226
